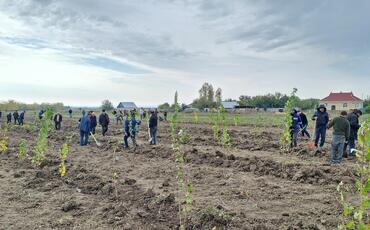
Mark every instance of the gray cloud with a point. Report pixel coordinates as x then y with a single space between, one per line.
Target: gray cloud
206 40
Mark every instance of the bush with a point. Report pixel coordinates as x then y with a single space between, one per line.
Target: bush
367 109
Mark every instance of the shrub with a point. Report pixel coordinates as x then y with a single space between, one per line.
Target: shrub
22 149
356 215
4 139
63 157
42 139
185 185
367 109
286 139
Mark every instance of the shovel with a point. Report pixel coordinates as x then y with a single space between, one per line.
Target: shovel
97 142
311 144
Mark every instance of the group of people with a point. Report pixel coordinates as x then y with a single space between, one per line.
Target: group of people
345 129
88 123
18 118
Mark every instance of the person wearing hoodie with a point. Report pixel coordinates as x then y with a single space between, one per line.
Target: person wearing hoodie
9 118
153 126
294 129
16 117
84 129
130 130
341 129
353 119
322 120
93 123
58 118
304 125
104 122
21 118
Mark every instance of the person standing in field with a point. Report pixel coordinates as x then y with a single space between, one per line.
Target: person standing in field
322 120
1 113
16 117
304 124
130 130
41 114
141 111
153 127
341 128
70 112
165 113
9 118
104 122
58 118
84 129
144 114
93 123
353 119
21 118
294 129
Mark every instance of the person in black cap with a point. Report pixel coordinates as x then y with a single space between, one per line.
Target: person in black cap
104 122
9 118
16 117
322 120
353 119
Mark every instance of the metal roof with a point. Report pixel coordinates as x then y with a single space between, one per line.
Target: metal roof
126 105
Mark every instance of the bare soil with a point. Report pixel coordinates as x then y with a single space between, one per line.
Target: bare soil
251 186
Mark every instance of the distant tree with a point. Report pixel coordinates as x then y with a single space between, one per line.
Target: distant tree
218 96
367 102
176 100
164 106
207 97
367 109
107 105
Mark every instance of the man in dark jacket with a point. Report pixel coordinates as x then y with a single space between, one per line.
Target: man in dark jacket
16 117
104 122
353 119
340 136
153 127
9 118
130 130
322 120
70 113
21 118
294 129
41 114
304 125
58 118
93 122
84 129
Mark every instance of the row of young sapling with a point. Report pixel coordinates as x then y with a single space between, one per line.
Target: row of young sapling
37 155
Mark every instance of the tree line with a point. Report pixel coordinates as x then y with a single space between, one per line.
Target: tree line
210 98
12 105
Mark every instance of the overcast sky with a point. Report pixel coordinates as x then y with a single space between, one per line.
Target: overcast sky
83 51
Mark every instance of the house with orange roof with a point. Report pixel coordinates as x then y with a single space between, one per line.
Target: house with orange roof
342 101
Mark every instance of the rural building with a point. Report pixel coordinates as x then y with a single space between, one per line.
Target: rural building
229 105
342 101
126 105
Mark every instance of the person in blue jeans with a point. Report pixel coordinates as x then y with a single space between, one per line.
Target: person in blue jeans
322 120
85 129
341 129
153 124
294 129
130 130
